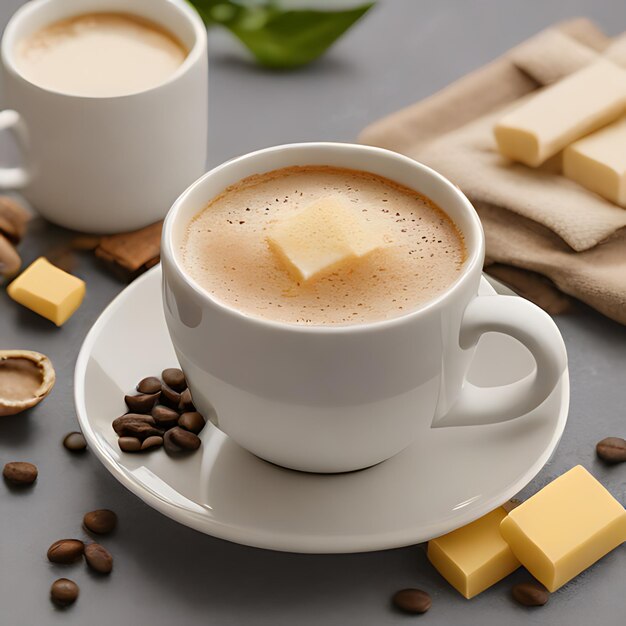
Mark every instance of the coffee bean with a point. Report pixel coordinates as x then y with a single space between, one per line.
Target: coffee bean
184 439
101 521
186 402
169 396
20 473
66 551
164 417
142 403
151 443
141 429
151 384
64 592
119 422
129 444
530 594
192 421
171 447
175 378
612 450
412 600
98 558
75 442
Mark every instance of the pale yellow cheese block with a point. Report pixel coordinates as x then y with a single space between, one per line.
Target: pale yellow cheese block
474 557
322 237
562 113
48 290
598 162
565 527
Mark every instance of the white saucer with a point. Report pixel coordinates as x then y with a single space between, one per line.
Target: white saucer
447 478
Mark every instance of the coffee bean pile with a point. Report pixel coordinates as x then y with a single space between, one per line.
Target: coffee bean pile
67 551
160 414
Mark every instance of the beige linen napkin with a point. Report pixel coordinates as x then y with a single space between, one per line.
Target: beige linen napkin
534 220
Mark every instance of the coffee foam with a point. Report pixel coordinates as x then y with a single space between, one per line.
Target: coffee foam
100 54
225 249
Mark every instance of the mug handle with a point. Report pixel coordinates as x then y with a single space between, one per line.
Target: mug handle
14 177
534 328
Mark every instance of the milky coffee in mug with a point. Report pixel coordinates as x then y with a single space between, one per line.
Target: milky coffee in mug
226 250
100 54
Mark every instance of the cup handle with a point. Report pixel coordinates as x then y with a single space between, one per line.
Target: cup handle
14 177
531 326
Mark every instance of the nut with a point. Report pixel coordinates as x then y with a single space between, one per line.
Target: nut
10 261
13 219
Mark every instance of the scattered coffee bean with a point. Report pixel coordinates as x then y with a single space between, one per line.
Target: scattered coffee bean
129 444
412 600
164 417
151 384
612 450
20 473
142 403
186 402
66 551
530 594
192 421
74 442
101 521
64 592
169 396
151 443
171 447
184 439
175 378
120 422
98 558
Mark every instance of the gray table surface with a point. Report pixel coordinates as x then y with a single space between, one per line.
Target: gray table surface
168 574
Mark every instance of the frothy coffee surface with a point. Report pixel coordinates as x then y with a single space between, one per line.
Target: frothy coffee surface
100 54
226 252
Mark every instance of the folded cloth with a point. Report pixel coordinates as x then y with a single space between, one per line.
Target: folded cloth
534 219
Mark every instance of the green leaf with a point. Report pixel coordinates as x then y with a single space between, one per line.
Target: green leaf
280 38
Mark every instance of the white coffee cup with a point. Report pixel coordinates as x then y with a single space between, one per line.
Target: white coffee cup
333 399
107 164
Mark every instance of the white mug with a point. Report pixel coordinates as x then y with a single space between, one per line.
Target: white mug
107 164
339 398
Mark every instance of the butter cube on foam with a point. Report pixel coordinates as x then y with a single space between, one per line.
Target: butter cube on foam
48 290
323 236
474 557
565 527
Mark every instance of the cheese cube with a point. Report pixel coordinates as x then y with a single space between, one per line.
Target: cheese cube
474 557
565 528
48 290
562 113
322 237
598 162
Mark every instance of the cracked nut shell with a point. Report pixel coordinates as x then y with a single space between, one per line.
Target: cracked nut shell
26 378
